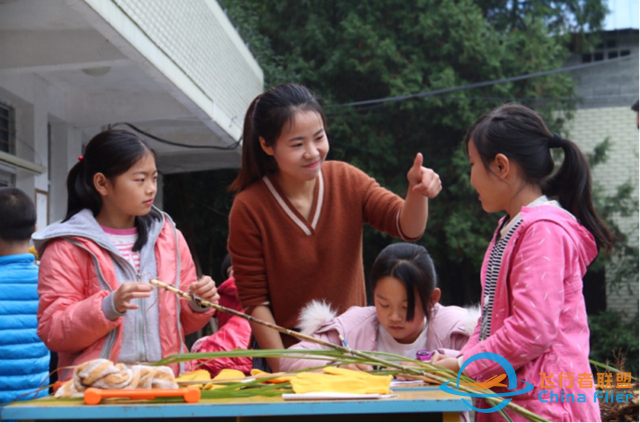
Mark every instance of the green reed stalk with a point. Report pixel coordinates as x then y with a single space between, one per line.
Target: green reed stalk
430 371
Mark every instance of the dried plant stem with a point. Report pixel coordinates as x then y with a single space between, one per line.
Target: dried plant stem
431 372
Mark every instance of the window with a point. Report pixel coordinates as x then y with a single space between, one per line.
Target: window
7 144
7 129
609 49
7 176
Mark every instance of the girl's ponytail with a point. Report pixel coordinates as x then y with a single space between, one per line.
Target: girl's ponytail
81 195
520 134
572 185
111 153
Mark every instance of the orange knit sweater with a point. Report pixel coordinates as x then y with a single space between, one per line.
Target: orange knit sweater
284 260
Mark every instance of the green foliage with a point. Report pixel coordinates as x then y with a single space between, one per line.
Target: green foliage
621 264
353 51
350 51
200 205
613 336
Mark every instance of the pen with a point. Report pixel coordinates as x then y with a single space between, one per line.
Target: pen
344 342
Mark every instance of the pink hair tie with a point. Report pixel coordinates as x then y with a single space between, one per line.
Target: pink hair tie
80 158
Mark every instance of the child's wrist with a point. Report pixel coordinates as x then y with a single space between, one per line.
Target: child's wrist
109 308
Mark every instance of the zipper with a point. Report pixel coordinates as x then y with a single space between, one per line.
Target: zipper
178 309
112 335
141 309
142 354
140 315
142 312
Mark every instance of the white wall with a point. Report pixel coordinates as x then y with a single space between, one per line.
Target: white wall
589 128
37 104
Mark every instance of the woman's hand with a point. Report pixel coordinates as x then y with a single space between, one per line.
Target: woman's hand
446 362
128 292
423 184
205 288
423 180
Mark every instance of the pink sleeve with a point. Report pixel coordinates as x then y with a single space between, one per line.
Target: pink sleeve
473 339
300 363
235 334
68 320
536 285
458 341
191 320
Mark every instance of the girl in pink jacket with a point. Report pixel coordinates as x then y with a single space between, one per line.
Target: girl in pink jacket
406 320
533 310
95 297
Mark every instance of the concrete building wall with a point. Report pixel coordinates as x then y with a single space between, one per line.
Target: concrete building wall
193 44
589 128
604 112
612 84
39 124
175 69
184 31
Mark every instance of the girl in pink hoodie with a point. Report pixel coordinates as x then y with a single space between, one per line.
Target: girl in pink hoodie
406 320
533 310
95 297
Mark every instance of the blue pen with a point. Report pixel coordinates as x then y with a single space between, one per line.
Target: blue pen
344 342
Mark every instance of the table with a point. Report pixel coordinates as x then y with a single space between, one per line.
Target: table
410 401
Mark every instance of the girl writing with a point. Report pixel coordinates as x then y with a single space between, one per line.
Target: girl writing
533 310
406 319
295 228
95 299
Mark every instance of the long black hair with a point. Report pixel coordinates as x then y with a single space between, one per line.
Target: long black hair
111 153
522 136
411 264
266 116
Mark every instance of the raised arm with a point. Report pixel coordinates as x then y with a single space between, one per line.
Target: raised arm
424 184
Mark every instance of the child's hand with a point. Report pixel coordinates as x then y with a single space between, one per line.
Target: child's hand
362 367
129 291
205 288
446 362
402 376
423 180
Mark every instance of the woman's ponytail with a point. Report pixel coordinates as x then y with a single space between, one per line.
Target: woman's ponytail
265 118
255 162
572 186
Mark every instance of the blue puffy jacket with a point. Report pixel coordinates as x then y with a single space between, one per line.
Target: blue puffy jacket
24 359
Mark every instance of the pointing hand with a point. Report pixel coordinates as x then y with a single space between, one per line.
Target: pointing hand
423 180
